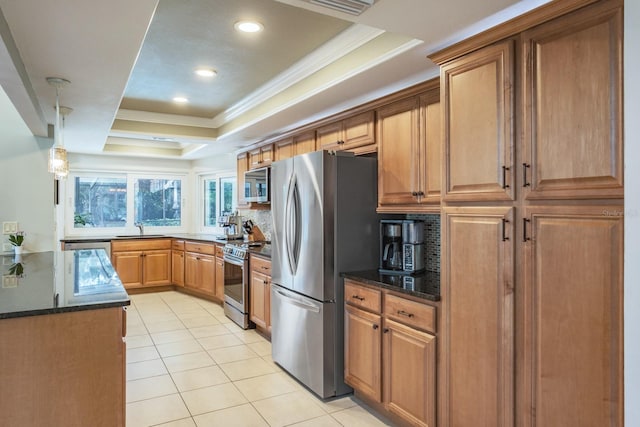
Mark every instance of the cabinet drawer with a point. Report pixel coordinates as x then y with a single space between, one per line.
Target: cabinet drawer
140 245
361 296
260 265
411 313
177 245
202 248
219 252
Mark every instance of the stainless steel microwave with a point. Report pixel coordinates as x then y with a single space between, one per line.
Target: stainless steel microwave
256 185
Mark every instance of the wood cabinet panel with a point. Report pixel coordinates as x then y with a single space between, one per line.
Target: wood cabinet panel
360 296
128 265
478 347
328 136
200 247
431 154
573 106
156 267
140 244
411 313
284 149
63 369
409 362
177 268
362 358
398 178
350 134
242 167
260 292
219 280
477 92
200 272
573 288
261 156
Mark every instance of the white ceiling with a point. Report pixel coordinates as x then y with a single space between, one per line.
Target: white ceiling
126 60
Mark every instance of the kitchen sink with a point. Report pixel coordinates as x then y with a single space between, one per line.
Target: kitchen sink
138 236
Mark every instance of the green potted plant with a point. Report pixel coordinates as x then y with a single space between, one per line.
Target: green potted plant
16 239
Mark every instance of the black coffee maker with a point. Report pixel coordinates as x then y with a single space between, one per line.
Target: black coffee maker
390 246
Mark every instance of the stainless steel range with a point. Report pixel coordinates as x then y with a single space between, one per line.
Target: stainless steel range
236 284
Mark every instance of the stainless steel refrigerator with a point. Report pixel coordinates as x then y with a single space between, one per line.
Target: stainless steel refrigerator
324 223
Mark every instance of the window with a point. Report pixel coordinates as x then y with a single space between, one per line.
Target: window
100 202
219 198
115 202
157 202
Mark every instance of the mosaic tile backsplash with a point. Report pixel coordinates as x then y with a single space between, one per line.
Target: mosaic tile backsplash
261 218
431 240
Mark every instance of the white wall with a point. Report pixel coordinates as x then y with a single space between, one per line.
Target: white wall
26 188
632 212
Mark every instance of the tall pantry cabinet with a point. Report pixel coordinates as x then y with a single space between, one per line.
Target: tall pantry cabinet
532 222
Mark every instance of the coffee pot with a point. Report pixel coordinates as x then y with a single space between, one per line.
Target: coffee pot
391 245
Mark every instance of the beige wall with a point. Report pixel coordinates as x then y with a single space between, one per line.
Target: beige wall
26 188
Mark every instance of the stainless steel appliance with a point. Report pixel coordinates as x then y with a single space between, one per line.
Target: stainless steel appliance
401 246
256 185
232 226
324 223
236 284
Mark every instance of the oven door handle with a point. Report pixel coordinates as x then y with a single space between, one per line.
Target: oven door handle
298 302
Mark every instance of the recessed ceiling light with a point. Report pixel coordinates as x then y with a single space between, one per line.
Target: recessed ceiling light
180 99
248 26
206 72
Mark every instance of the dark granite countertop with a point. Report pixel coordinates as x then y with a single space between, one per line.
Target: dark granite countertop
263 250
425 285
57 282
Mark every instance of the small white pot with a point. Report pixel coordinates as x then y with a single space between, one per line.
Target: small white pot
17 250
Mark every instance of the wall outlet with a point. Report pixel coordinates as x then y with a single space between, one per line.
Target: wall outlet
9 227
9 282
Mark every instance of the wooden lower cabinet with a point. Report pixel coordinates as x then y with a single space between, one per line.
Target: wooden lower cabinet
63 369
142 262
390 362
177 268
260 292
362 352
573 317
219 285
478 317
409 360
200 272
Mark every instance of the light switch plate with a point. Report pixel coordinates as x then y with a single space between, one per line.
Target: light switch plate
9 227
9 281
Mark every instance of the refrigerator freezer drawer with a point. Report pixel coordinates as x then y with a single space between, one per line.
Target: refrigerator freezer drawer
304 344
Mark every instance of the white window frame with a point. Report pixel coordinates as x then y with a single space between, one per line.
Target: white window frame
129 228
202 228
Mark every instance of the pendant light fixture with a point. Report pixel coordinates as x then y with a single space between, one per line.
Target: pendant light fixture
58 163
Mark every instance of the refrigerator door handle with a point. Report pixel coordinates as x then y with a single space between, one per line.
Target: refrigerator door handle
291 224
298 302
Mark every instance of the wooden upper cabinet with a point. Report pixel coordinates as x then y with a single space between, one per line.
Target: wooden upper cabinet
261 157
430 147
478 99
477 356
243 166
409 154
398 153
573 289
298 144
355 133
573 106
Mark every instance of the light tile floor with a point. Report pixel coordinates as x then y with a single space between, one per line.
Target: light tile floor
188 365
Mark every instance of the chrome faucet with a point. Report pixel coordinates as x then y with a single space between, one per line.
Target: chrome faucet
140 226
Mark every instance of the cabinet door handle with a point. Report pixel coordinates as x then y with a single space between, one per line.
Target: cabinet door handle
385 330
420 193
375 326
524 229
504 229
524 174
358 297
265 282
404 313
264 268
340 142
504 177
414 193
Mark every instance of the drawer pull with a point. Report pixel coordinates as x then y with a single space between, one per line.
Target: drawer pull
404 313
264 268
375 326
385 330
358 297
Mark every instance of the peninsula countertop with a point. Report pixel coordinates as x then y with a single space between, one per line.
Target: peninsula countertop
57 282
